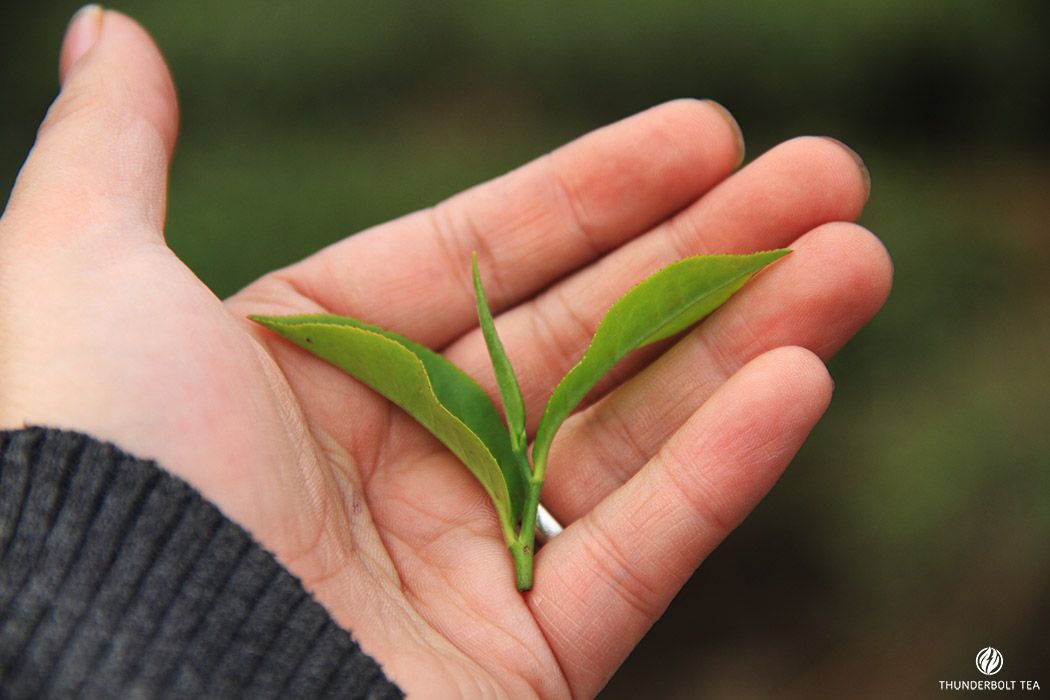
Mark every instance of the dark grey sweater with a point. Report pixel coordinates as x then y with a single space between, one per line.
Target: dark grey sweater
118 580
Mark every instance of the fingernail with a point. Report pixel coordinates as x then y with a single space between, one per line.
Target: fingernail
864 173
731 120
82 33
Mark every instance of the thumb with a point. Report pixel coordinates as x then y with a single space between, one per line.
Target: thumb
101 155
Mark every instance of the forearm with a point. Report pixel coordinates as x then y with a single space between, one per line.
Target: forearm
117 578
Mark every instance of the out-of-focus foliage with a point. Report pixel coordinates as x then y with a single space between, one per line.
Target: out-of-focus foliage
912 529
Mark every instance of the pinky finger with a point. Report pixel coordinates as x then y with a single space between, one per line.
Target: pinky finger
602 583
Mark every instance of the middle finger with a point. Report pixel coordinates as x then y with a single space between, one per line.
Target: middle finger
784 193
836 279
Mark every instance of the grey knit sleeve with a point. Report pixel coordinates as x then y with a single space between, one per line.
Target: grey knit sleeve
119 580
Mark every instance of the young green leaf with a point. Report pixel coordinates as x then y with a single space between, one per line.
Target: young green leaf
510 392
669 301
428 387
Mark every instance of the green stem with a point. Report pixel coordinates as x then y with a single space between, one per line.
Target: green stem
524 546
522 565
522 458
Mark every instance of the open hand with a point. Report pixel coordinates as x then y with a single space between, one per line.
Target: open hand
105 331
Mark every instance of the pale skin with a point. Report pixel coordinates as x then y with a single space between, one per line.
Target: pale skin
105 331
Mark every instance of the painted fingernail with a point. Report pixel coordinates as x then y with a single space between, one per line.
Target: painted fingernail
81 34
727 115
864 173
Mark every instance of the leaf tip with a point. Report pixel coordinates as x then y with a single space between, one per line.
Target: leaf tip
277 324
768 257
776 253
268 321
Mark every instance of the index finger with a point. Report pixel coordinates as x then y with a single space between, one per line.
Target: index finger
530 227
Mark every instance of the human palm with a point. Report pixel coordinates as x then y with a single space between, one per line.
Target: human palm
106 331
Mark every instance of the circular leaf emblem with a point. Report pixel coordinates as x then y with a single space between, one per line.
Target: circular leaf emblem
989 661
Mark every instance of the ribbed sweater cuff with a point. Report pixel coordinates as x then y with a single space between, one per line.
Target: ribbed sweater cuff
118 579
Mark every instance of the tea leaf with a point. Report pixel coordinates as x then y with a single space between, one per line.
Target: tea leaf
510 392
669 301
435 392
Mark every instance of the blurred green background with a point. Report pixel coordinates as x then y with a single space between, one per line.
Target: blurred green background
913 528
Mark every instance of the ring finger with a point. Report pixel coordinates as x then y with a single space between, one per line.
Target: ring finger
817 298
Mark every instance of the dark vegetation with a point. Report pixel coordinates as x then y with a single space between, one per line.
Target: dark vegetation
913 528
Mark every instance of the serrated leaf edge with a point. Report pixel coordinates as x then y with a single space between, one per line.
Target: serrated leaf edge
645 340
504 513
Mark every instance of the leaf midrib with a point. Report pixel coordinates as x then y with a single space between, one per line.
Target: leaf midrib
429 385
640 342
